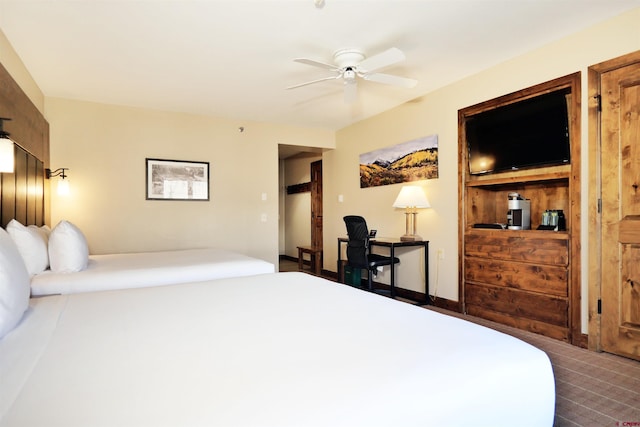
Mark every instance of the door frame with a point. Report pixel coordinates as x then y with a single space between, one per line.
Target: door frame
316 204
595 191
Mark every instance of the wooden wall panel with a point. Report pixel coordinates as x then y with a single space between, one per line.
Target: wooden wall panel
31 189
22 192
39 193
23 195
21 186
27 126
8 198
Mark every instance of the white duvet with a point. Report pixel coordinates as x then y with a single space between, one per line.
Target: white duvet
135 270
285 349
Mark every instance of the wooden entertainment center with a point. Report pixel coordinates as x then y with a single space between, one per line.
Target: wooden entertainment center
529 279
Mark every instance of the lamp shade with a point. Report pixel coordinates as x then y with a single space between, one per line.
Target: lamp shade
6 155
411 196
63 187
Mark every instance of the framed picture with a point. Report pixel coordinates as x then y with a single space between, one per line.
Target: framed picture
177 180
409 161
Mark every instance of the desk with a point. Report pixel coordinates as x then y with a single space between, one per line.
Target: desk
392 244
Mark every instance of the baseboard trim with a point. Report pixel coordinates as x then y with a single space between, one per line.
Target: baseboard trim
418 297
288 258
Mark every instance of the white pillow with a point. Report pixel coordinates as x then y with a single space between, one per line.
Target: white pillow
32 246
44 231
14 284
68 248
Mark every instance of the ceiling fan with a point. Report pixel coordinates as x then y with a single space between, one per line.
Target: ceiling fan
352 63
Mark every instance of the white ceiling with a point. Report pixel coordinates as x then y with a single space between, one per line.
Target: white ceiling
234 58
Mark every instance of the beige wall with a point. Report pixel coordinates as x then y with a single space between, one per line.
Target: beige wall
10 60
105 149
436 113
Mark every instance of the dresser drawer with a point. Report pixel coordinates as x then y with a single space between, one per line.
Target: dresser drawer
504 246
540 278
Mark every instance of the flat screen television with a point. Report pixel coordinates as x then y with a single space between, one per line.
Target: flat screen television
530 133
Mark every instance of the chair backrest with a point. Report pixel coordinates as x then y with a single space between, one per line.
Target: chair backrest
358 241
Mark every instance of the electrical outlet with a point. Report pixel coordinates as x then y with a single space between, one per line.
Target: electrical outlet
440 253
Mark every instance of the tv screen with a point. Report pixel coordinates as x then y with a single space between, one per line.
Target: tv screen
528 133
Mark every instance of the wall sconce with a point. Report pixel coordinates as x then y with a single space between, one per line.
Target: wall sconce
63 183
411 198
6 150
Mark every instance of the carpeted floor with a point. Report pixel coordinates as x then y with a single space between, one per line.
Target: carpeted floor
592 389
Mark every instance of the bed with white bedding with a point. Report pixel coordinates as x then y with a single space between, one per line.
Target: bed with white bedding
282 349
142 269
58 262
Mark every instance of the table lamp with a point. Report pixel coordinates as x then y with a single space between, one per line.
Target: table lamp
411 198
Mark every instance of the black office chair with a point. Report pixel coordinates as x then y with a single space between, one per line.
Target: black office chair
358 251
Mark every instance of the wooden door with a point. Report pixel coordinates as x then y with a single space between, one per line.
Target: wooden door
620 253
316 204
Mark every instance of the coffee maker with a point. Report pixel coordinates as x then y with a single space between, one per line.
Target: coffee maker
518 213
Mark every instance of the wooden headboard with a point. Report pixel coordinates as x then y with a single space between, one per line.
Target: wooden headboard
23 194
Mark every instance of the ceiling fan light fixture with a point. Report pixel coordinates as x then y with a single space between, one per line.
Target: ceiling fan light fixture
352 63
349 75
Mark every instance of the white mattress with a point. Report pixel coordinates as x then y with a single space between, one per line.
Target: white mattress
136 270
284 349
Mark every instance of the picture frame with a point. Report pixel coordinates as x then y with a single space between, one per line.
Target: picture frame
177 180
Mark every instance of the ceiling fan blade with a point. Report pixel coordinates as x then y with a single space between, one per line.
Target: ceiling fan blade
389 79
316 64
381 60
314 81
350 91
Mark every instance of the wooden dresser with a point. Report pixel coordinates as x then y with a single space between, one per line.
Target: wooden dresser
529 279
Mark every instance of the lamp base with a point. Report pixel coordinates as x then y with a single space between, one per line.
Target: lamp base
410 238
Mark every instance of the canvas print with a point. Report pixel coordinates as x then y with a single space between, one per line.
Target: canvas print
177 180
409 161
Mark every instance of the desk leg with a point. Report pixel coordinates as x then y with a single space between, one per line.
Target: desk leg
318 263
427 299
392 284
340 280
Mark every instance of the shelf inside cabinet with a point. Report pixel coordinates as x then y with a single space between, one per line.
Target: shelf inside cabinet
557 174
537 234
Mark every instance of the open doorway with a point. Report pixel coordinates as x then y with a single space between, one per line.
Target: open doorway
300 208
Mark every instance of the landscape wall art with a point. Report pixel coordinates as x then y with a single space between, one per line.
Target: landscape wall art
409 161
